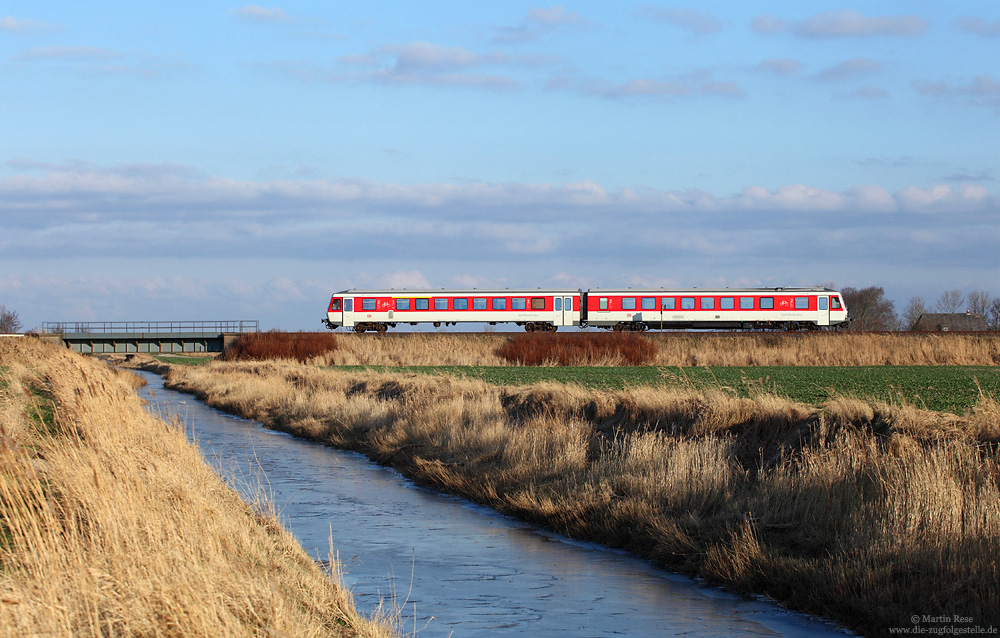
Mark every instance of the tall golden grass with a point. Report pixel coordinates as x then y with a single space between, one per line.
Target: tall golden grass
671 349
864 513
111 523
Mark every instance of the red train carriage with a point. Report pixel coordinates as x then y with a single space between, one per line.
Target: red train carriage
728 308
378 310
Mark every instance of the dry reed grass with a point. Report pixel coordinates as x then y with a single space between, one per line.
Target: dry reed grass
863 513
112 524
418 349
300 346
827 349
587 349
672 349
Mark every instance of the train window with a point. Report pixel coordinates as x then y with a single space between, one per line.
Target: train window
368 304
499 303
628 303
422 304
687 303
335 305
440 303
348 305
802 303
649 303
708 303
767 303
538 303
727 303
835 303
604 303
558 303
668 303
479 303
462 304
402 304
518 303
746 303
569 303
823 303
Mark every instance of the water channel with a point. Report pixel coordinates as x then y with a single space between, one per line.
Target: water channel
456 568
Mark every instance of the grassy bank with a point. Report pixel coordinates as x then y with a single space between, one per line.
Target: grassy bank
112 524
863 512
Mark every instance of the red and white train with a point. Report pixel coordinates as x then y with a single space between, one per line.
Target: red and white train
616 309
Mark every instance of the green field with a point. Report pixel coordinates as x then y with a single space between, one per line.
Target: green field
942 388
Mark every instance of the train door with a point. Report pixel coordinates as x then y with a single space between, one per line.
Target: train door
567 311
824 311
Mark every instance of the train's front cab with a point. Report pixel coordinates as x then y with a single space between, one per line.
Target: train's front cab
832 309
335 311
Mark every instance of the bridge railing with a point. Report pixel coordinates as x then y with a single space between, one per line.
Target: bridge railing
151 327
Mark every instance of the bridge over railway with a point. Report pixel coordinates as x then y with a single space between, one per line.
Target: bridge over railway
156 337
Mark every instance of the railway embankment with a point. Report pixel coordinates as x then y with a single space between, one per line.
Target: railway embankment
111 523
859 511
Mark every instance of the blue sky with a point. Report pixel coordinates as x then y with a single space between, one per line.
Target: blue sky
227 161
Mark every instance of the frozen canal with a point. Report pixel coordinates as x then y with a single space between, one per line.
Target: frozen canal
456 568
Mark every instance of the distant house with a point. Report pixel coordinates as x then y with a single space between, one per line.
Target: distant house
951 322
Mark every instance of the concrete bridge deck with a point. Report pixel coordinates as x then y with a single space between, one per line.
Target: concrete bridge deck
156 337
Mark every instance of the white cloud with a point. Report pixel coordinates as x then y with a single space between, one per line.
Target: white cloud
868 93
982 89
699 22
978 26
535 25
68 53
769 24
944 198
259 14
780 66
840 24
849 69
654 88
421 63
99 61
22 25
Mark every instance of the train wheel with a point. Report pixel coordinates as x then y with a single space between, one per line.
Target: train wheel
360 328
381 328
618 327
529 327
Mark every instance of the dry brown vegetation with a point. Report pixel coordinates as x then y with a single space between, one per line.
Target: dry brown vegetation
669 349
587 349
300 346
111 524
859 512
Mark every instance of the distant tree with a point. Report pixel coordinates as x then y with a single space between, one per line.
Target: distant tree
977 301
9 321
869 309
950 301
914 309
993 314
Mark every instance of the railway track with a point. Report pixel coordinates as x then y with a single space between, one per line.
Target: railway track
670 334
